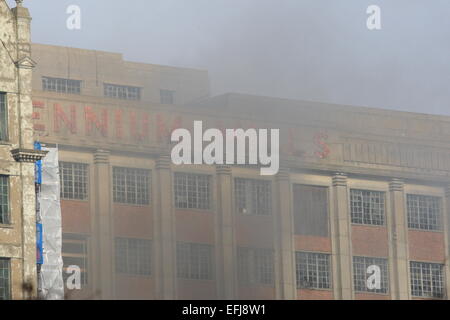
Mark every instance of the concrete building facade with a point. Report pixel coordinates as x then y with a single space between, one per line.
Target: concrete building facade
358 187
18 272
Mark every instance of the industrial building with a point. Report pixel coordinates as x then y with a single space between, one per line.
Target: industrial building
357 187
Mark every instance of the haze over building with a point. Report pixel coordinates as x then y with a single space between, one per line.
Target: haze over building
357 187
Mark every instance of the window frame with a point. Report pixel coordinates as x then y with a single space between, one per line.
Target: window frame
146 197
297 214
299 286
249 271
251 195
196 196
134 257
192 265
439 218
122 92
6 216
382 205
86 169
55 84
442 278
165 93
83 240
7 261
382 290
4 135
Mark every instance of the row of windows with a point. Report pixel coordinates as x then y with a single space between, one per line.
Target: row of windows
194 261
313 272
62 85
254 197
255 266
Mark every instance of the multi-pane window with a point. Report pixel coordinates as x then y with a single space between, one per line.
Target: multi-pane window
5 279
3 117
427 279
133 256
194 261
362 272
131 185
367 207
192 191
122 92
310 210
75 253
255 266
4 200
424 212
167 96
253 197
312 270
61 85
73 180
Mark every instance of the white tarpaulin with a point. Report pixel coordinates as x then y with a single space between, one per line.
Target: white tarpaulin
51 279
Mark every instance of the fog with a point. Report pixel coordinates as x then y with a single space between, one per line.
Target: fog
346 192
301 49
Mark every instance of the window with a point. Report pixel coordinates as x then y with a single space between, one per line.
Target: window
424 212
194 261
4 200
133 256
131 185
360 275
427 279
167 96
312 270
192 191
367 207
3 117
253 197
122 92
311 210
75 253
5 279
74 180
255 266
61 85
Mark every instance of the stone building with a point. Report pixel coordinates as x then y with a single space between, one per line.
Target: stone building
358 187
17 157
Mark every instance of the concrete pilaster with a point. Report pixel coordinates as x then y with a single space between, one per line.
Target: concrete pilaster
399 235
104 237
164 231
342 255
446 220
225 246
284 237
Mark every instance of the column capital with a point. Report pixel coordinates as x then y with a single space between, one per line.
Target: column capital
223 169
396 185
447 191
101 156
339 179
163 162
283 174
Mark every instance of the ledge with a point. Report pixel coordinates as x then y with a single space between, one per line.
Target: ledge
28 155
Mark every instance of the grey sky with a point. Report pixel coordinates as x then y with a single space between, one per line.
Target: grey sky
304 49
